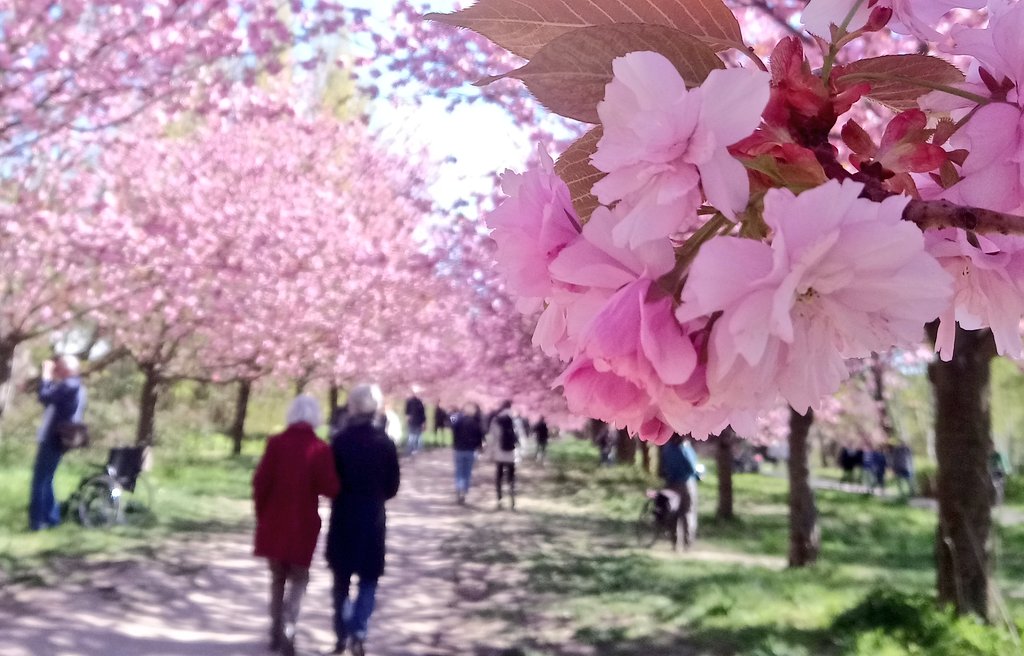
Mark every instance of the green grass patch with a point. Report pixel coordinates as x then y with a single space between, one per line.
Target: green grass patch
196 486
869 595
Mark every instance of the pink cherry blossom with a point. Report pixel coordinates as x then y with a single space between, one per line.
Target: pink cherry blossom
842 277
587 272
913 17
635 354
987 287
530 229
663 143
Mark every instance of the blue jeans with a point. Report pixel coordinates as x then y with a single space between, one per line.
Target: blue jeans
463 470
415 438
43 509
352 619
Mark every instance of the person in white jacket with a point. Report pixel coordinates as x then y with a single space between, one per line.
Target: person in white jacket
503 441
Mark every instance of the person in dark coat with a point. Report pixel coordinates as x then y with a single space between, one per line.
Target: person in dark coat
62 394
542 435
416 421
297 468
442 420
367 464
467 439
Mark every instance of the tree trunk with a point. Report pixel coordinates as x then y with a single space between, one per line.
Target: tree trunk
6 373
804 534
724 460
645 457
625 449
878 394
963 445
300 385
145 432
241 408
333 394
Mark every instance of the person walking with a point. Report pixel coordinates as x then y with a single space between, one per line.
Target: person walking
504 447
295 471
442 422
64 398
366 461
542 435
679 470
416 421
467 439
903 468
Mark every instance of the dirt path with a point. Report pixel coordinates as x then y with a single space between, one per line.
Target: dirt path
206 596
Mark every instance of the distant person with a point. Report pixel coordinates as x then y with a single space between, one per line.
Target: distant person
541 434
504 446
338 418
467 439
442 420
678 470
903 468
606 440
416 421
850 461
875 464
366 461
297 468
997 471
62 394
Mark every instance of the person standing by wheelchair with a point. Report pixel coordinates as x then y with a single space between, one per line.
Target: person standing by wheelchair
679 470
297 468
64 397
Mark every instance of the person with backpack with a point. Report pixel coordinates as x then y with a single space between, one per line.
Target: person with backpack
504 443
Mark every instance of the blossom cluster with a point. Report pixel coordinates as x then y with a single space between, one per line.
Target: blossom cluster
733 262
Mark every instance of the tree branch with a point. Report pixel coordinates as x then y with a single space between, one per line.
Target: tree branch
937 214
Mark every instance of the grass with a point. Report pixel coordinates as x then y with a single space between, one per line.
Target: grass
870 594
197 487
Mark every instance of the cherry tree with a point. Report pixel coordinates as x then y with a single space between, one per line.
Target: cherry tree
84 66
237 221
706 250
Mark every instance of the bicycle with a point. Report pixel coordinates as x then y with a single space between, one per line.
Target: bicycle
117 493
657 517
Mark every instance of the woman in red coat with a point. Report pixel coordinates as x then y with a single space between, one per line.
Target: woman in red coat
296 469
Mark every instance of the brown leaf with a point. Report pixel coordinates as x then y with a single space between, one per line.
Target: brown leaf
897 81
569 75
525 26
575 169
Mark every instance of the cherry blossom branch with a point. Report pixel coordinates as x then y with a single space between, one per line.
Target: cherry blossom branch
938 214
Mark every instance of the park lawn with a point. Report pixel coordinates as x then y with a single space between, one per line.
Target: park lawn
197 486
870 594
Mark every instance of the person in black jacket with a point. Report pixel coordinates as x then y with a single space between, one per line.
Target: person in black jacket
367 464
542 435
416 421
467 439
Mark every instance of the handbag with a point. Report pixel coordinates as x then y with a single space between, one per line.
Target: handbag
72 435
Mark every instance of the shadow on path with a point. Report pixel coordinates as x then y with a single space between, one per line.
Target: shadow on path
205 595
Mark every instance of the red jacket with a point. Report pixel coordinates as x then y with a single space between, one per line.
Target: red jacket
295 470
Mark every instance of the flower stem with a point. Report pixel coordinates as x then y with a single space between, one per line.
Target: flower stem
918 82
938 214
